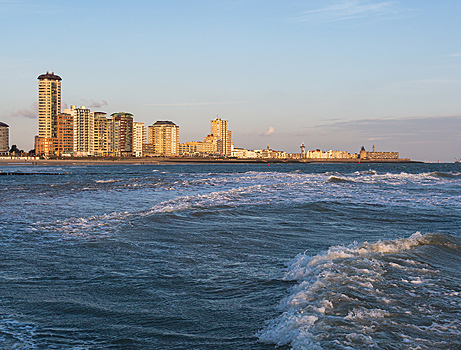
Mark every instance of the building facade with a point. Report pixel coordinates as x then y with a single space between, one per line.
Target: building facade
49 107
4 138
139 138
83 121
49 104
219 130
121 134
366 155
101 134
164 135
65 135
45 146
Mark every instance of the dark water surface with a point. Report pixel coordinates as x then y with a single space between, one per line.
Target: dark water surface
231 257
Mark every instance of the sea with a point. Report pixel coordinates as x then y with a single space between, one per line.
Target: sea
230 256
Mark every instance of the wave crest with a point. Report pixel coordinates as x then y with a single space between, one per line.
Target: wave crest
345 294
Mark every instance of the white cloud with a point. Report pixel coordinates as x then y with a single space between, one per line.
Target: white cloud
94 104
269 131
347 10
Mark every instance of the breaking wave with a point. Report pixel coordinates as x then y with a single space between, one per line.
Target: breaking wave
372 295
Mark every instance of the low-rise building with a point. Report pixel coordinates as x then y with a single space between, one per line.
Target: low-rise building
273 154
45 146
364 154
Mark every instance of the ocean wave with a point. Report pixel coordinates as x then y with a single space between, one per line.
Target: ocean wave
337 179
368 295
104 223
440 174
17 335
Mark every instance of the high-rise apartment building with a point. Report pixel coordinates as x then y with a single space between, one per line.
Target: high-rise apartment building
121 134
164 135
219 130
65 135
101 134
139 138
83 120
4 138
49 104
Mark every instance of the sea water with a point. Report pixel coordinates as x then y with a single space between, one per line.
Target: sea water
231 256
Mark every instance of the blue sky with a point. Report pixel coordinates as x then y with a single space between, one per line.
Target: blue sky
332 74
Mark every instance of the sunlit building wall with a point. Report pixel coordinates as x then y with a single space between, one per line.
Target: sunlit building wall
164 135
121 134
219 129
65 135
49 104
4 138
139 138
83 120
101 134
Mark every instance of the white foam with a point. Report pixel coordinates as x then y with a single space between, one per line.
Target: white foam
366 314
106 181
328 283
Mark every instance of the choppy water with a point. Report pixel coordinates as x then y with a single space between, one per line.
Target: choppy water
231 257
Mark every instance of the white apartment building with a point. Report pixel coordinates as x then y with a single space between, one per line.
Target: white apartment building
139 138
83 130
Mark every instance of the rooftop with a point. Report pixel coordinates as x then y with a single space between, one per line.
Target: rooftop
164 122
3 124
50 76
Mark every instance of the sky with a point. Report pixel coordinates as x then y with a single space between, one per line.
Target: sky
336 75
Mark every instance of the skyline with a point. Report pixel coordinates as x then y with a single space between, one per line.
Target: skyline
332 74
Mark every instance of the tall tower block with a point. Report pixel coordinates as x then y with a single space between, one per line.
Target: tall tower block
220 131
49 104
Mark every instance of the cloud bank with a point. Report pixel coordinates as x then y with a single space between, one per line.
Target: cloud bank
420 138
192 104
30 112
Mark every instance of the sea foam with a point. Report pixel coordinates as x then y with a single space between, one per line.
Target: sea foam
342 297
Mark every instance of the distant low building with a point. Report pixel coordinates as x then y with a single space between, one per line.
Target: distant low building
238 152
319 154
148 150
270 153
364 154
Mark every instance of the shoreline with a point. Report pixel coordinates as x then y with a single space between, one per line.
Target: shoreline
164 160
